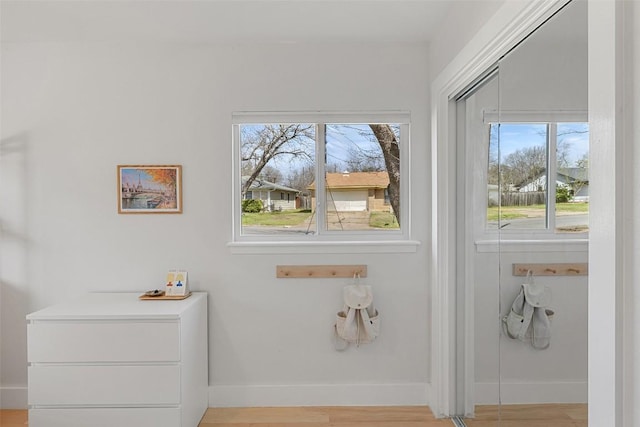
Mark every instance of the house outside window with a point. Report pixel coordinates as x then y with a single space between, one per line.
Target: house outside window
340 176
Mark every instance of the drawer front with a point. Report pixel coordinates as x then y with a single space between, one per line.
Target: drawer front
104 385
103 341
105 417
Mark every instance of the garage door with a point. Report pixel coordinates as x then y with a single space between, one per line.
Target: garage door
347 201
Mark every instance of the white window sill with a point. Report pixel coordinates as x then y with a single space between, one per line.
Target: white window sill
564 245
345 247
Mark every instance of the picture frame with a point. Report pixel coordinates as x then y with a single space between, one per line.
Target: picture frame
149 189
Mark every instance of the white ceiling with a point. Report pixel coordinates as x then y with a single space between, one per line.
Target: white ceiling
279 21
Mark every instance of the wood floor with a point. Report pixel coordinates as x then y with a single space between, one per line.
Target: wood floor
547 415
13 418
555 415
351 416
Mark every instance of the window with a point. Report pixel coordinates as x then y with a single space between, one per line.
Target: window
538 177
321 176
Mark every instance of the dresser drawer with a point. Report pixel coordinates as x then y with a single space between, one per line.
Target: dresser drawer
104 385
105 417
103 341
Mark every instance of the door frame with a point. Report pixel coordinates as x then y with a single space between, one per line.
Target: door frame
511 24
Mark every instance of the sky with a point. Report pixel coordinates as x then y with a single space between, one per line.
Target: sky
131 177
341 138
517 136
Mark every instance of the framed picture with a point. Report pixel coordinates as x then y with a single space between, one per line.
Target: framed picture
149 189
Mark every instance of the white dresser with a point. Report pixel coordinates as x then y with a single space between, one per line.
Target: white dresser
110 359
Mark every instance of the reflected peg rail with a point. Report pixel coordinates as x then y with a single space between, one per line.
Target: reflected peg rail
564 269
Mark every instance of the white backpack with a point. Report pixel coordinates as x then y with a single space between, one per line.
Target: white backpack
359 321
529 319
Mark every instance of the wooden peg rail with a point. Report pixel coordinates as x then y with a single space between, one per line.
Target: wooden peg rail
566 269
319 271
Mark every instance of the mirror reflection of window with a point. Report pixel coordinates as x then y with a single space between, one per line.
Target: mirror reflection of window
520 189
518 170
572 182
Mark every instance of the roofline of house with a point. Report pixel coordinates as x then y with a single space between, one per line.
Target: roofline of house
351 187
269 187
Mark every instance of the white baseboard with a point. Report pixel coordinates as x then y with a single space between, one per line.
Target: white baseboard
410 394
534 392
13 397
359 394
286 395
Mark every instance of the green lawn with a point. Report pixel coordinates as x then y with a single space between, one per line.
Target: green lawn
572 207
513 212
275 219
383 220
301 217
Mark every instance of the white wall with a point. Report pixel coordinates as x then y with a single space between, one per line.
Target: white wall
71 112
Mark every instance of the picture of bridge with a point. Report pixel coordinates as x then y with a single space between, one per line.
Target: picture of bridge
149 189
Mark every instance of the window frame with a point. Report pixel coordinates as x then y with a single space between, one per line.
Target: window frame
324 236
551 119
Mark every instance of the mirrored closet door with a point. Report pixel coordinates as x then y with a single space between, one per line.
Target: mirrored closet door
523 157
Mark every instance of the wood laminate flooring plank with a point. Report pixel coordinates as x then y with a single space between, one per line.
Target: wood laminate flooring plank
13 418
538 415
334 416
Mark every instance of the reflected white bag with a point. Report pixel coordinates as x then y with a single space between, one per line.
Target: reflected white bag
529 319
359 321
